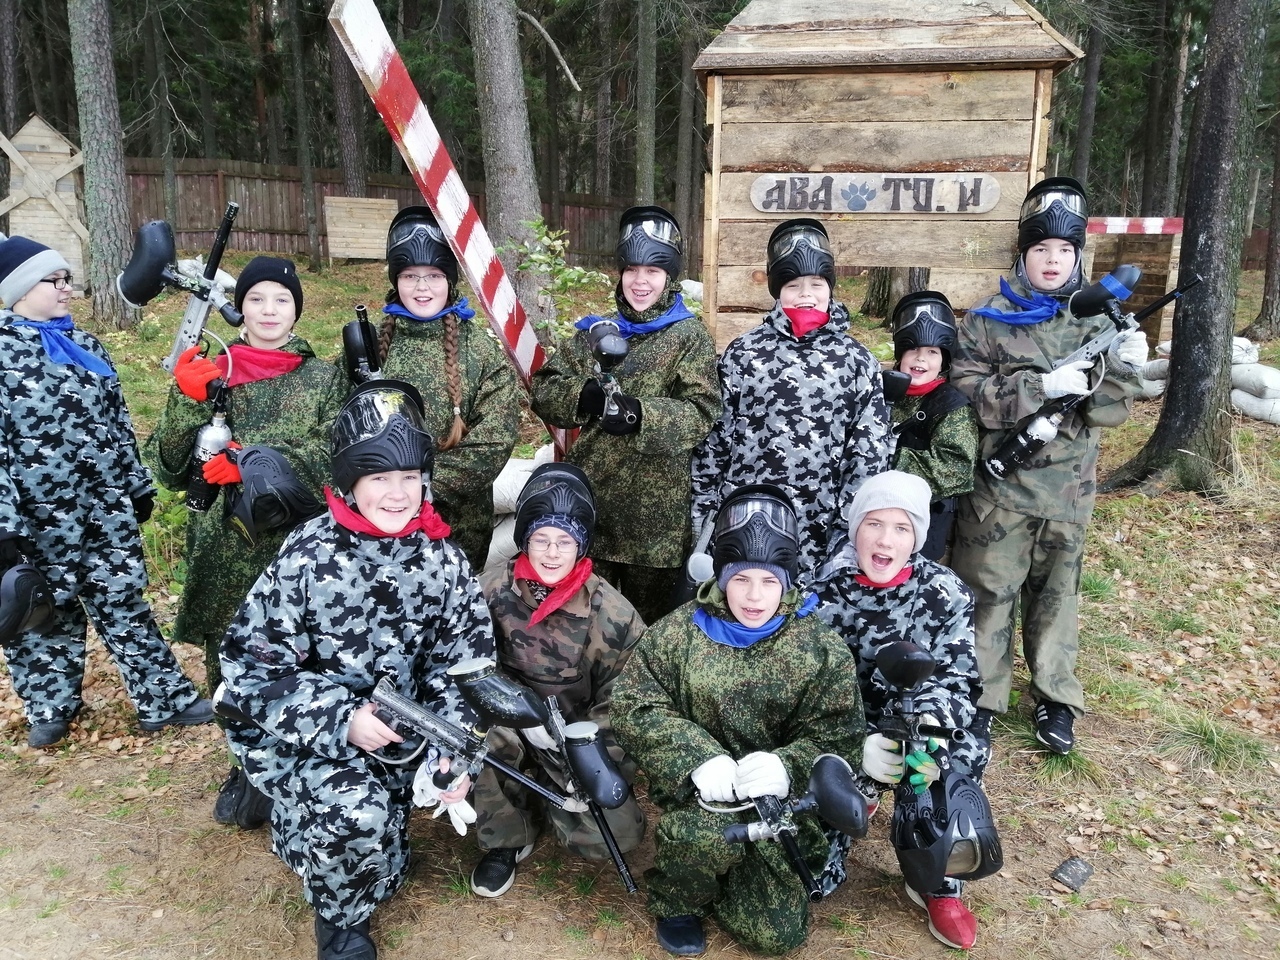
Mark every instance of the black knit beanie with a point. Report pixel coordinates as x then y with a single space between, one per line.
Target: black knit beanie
278 269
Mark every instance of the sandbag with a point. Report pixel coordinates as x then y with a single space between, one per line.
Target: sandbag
508 484
502 547
1256 407
1155 369
1243 350
1256 378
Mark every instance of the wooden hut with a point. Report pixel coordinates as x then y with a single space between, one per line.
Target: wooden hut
44 200
911 130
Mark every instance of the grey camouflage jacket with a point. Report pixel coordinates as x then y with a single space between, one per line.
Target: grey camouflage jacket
808 415
1001 368
335 612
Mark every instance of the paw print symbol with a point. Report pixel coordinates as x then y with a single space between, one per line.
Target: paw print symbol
858 195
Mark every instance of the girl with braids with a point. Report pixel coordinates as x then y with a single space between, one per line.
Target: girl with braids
470 391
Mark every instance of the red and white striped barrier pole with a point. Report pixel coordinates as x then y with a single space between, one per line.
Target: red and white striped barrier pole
1137 225
364 36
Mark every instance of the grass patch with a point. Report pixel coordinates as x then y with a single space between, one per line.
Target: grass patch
1199 740
1097 587
1172 621
609 918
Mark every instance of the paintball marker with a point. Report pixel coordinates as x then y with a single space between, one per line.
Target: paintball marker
1099 298
945 828
154 266
588 769
608 349
360 347
832 794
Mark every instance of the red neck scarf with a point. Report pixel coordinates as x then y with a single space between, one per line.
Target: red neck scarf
427 520
253 363
903 576
920 389
561 593
805 319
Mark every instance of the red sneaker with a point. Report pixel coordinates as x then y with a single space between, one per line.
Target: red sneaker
950 921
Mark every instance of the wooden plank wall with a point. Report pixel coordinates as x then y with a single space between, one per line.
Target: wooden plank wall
271 210
35 217
992 121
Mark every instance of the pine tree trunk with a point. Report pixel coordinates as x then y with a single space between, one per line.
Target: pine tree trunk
303 113
603 179
1154 121
1190 448
1088 105
106 189
1170 205
685 157
163 119
876 301
511 183
208 117
646 97
8 89
347 104
1266 326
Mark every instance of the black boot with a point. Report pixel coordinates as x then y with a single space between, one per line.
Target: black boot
344 943
241 803
682 935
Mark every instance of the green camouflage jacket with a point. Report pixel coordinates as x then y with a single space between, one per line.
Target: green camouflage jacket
684 699
291 413
947 464
1000 367
642 480
462 483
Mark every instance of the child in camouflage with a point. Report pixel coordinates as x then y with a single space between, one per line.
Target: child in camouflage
367 591
564 632
878 587
280 397
73 491
936 428
470 389
1020 539
637 450
700 708
804 402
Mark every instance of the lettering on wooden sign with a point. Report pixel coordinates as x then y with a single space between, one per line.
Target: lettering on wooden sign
910 193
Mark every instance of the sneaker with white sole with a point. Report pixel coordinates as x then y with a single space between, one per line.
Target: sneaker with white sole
496 870
1054 726
950 921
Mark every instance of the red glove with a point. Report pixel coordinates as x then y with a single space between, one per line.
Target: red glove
194 373
222 469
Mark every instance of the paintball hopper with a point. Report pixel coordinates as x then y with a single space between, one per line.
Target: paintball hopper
150 268
1116 285
905 665
498 698
840 802
606 343
592 767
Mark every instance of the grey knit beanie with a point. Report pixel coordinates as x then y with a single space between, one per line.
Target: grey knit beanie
23 264
890 490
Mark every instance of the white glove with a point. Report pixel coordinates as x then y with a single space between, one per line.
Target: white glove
1068 380
573 805
539 738
716 778
762 775
882 759
1129 347
427 794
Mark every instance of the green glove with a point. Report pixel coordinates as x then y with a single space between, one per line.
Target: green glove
926 770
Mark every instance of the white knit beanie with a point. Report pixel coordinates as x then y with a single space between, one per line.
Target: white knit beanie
891 490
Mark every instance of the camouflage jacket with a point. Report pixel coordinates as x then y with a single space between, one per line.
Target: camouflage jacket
1000 367
575 654
291 413
684 699
462 482
947 462
335 612
641 480
67 448
933 608
807 414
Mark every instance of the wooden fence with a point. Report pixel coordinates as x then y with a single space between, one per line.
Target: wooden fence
271 218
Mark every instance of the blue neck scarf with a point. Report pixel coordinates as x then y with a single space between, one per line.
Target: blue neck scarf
627 329
1036 309
61 348
460 308
732 634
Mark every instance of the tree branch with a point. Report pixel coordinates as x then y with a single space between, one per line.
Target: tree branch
554 49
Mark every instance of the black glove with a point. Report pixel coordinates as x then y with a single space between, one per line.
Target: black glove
143 505
591 400
617 424
13 550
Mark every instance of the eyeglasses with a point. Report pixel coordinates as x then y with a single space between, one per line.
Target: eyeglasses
413 279
59 283
542 544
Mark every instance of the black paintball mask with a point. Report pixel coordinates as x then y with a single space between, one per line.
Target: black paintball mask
416 240
650 237
924 319
799 248
757 524
555 489
1053 209
26 602
269 496
381 427
947 831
